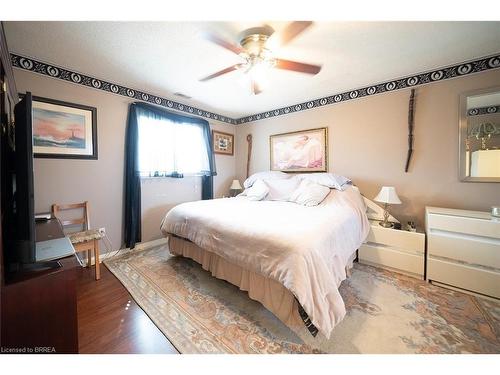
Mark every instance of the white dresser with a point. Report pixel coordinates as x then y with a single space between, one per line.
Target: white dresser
463 250
393 249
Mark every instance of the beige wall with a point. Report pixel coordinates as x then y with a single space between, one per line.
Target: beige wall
368 143
101 181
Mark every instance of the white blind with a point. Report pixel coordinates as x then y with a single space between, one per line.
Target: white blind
167 147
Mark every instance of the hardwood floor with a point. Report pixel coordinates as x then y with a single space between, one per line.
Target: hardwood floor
109 320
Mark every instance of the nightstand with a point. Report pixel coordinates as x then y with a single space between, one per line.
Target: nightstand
394 249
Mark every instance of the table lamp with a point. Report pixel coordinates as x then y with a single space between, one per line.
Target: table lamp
387 195
235 188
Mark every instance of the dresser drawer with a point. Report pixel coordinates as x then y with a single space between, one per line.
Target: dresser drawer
410 242
464 225
465 248
392 258
463 276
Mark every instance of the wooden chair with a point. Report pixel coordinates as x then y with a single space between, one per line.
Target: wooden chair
84 240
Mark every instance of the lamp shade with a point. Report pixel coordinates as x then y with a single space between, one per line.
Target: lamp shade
388 195
235 185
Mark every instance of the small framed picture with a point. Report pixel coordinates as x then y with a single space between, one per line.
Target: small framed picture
300 151
64 130
223 143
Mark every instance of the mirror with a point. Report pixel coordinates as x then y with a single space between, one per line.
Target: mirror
479 159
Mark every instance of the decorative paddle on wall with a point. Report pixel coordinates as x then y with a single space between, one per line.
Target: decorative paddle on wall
249 140
411 109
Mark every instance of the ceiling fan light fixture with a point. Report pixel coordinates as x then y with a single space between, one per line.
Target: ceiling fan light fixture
258 68
255 48
258 73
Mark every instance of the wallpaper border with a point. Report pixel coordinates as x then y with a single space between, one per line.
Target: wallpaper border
418 79
65 74
484 110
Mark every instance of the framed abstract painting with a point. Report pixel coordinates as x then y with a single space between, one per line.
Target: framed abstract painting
64 130
223 143
300 151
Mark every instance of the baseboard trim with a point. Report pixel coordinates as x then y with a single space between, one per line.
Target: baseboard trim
139 247
148 244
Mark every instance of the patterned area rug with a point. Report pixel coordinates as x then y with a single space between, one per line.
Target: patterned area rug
386 312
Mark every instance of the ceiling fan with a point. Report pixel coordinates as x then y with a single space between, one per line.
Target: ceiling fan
256 47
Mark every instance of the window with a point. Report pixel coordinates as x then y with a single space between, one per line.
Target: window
170 148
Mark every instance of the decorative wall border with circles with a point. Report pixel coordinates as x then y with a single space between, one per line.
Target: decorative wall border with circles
33 65
484 110
458 70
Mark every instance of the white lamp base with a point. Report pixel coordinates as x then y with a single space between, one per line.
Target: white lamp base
386 224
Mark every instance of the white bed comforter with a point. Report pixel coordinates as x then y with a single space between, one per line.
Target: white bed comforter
304 248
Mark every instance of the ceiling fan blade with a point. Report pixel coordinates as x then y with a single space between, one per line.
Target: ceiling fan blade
291 31
256 90
221 72
223 43
297 66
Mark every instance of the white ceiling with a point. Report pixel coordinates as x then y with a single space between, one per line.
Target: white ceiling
167 57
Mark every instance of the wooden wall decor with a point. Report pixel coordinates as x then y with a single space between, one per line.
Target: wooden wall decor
411 110
249 141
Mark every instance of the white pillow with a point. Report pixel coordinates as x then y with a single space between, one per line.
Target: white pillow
281 189
309 193
330 180
257 191
264 176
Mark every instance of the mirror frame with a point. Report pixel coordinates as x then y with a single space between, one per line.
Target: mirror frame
462 136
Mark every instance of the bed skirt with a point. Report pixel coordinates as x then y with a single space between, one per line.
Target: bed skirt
270 293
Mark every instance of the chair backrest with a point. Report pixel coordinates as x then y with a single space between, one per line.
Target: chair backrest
83 221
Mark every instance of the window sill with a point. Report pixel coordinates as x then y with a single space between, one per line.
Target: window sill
169 177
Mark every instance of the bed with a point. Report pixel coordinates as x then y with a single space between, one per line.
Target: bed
289 257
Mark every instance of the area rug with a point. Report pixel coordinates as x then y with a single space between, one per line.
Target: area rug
386 312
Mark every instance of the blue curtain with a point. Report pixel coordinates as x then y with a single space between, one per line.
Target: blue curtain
132 211
132 226
207 187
